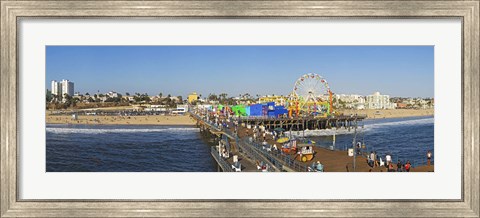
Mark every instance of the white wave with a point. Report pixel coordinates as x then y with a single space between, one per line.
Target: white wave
366 127
103 131
429 120
322 132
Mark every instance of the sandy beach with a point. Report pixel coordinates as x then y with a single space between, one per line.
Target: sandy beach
395 113
124 120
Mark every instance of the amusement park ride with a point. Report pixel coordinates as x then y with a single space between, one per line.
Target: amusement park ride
311 95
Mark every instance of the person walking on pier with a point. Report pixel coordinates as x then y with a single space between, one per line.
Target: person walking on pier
408 166
390 167
429 157
319 167
358 148
388 158
275 148
371 160
399 166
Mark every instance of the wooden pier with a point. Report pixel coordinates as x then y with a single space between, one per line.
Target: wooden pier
251 152
248 154
254 152
304 123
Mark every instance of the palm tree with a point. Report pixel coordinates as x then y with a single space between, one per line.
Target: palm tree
48 96
147 99
223 96
212 97
68 99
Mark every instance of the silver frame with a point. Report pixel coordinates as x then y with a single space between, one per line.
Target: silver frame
11 11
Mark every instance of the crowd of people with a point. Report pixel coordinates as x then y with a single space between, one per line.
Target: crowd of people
375 161
259 134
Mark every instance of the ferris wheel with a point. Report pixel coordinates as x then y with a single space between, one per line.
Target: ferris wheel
311 87
310 91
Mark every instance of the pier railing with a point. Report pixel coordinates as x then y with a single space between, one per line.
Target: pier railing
255 150
252 153
226 167
281 159
278 159
206 122
340 117
248 150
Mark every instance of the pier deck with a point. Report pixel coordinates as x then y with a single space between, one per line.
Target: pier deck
250 152
226 163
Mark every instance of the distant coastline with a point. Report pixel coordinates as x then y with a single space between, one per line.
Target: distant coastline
393 113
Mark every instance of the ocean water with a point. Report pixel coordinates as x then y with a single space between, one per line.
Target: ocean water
129 148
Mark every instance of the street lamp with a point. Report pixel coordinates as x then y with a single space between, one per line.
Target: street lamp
354 144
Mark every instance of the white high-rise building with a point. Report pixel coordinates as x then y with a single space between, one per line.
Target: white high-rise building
56 88
377 101
62 87
67 87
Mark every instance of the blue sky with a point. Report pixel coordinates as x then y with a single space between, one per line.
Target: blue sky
403 71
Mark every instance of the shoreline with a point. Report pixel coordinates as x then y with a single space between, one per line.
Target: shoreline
152 120
381 118
122 124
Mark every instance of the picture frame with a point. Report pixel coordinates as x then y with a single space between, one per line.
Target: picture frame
13 11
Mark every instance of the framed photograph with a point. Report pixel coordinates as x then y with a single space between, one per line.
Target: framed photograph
245 108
